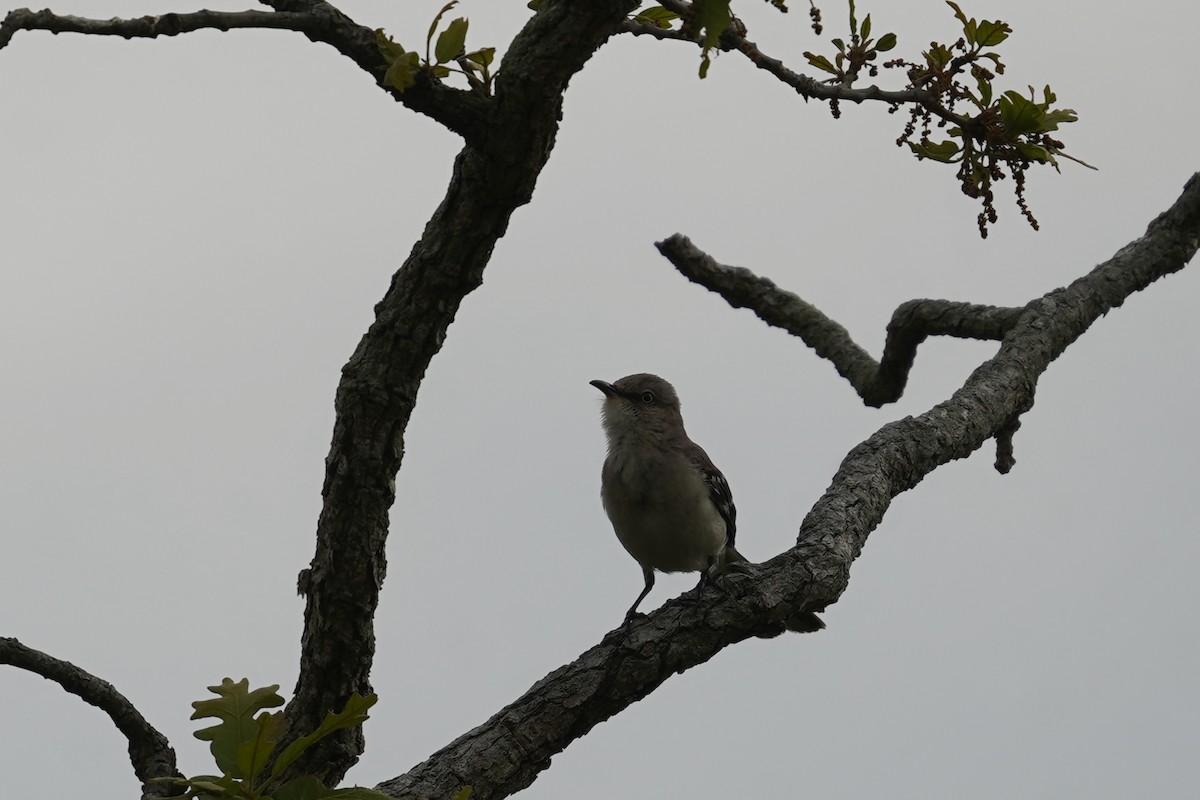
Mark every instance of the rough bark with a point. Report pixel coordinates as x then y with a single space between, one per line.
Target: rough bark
149 751
506 753
508 138
378 390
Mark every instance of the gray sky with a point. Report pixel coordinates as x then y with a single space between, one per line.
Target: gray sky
195 231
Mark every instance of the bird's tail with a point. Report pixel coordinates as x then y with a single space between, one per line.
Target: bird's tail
731 556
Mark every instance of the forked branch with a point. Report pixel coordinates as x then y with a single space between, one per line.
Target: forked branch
877 382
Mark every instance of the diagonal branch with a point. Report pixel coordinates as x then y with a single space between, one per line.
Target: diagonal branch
506 753
877 382
461 111
149 751
378 390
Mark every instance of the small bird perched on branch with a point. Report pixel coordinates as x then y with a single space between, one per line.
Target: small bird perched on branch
670 506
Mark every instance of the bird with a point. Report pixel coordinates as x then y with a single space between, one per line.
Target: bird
670 506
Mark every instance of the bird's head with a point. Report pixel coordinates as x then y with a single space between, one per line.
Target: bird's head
639 406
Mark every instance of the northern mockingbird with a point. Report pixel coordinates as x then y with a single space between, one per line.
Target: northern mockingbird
669 505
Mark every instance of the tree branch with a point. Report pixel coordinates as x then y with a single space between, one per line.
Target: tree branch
461 111
654 31
877 382
811 88
377 393
506 753
149 751
147 27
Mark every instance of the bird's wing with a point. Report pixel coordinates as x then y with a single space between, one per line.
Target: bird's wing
718 489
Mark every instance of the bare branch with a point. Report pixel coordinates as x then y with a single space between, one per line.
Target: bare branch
148 27
149 751
506 753
877 382
459 110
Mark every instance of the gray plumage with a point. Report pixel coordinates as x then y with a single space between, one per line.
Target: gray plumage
670 506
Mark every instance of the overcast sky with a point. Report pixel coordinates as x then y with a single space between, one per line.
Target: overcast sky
194 232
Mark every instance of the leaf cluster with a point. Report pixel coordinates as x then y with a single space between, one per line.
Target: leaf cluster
706 21
244 743
1000 134
403 66
861 51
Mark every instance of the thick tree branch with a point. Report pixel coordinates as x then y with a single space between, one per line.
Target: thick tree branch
149 751
378 390
877 382
461 111
506 753
147 27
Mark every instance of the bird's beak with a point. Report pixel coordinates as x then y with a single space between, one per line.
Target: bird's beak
606 387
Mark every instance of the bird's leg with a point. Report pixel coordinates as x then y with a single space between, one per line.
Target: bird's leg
709 577
648 574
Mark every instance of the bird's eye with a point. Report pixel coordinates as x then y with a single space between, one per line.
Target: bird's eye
647 397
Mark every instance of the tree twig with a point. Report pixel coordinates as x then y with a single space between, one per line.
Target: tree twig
461 111
876 382
149 751
811 88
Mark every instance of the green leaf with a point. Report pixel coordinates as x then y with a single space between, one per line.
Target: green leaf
534 4
483 56
1020 116
657 16
1052 119
938 56
991 34
353 715
463 794
866 28
212 790
886 42
253 755
309 787
434 25
820 62
985 90
306 787
403 72
958 12
441 72
235 707
452 41
1036 153
712 18
389 49
938 151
